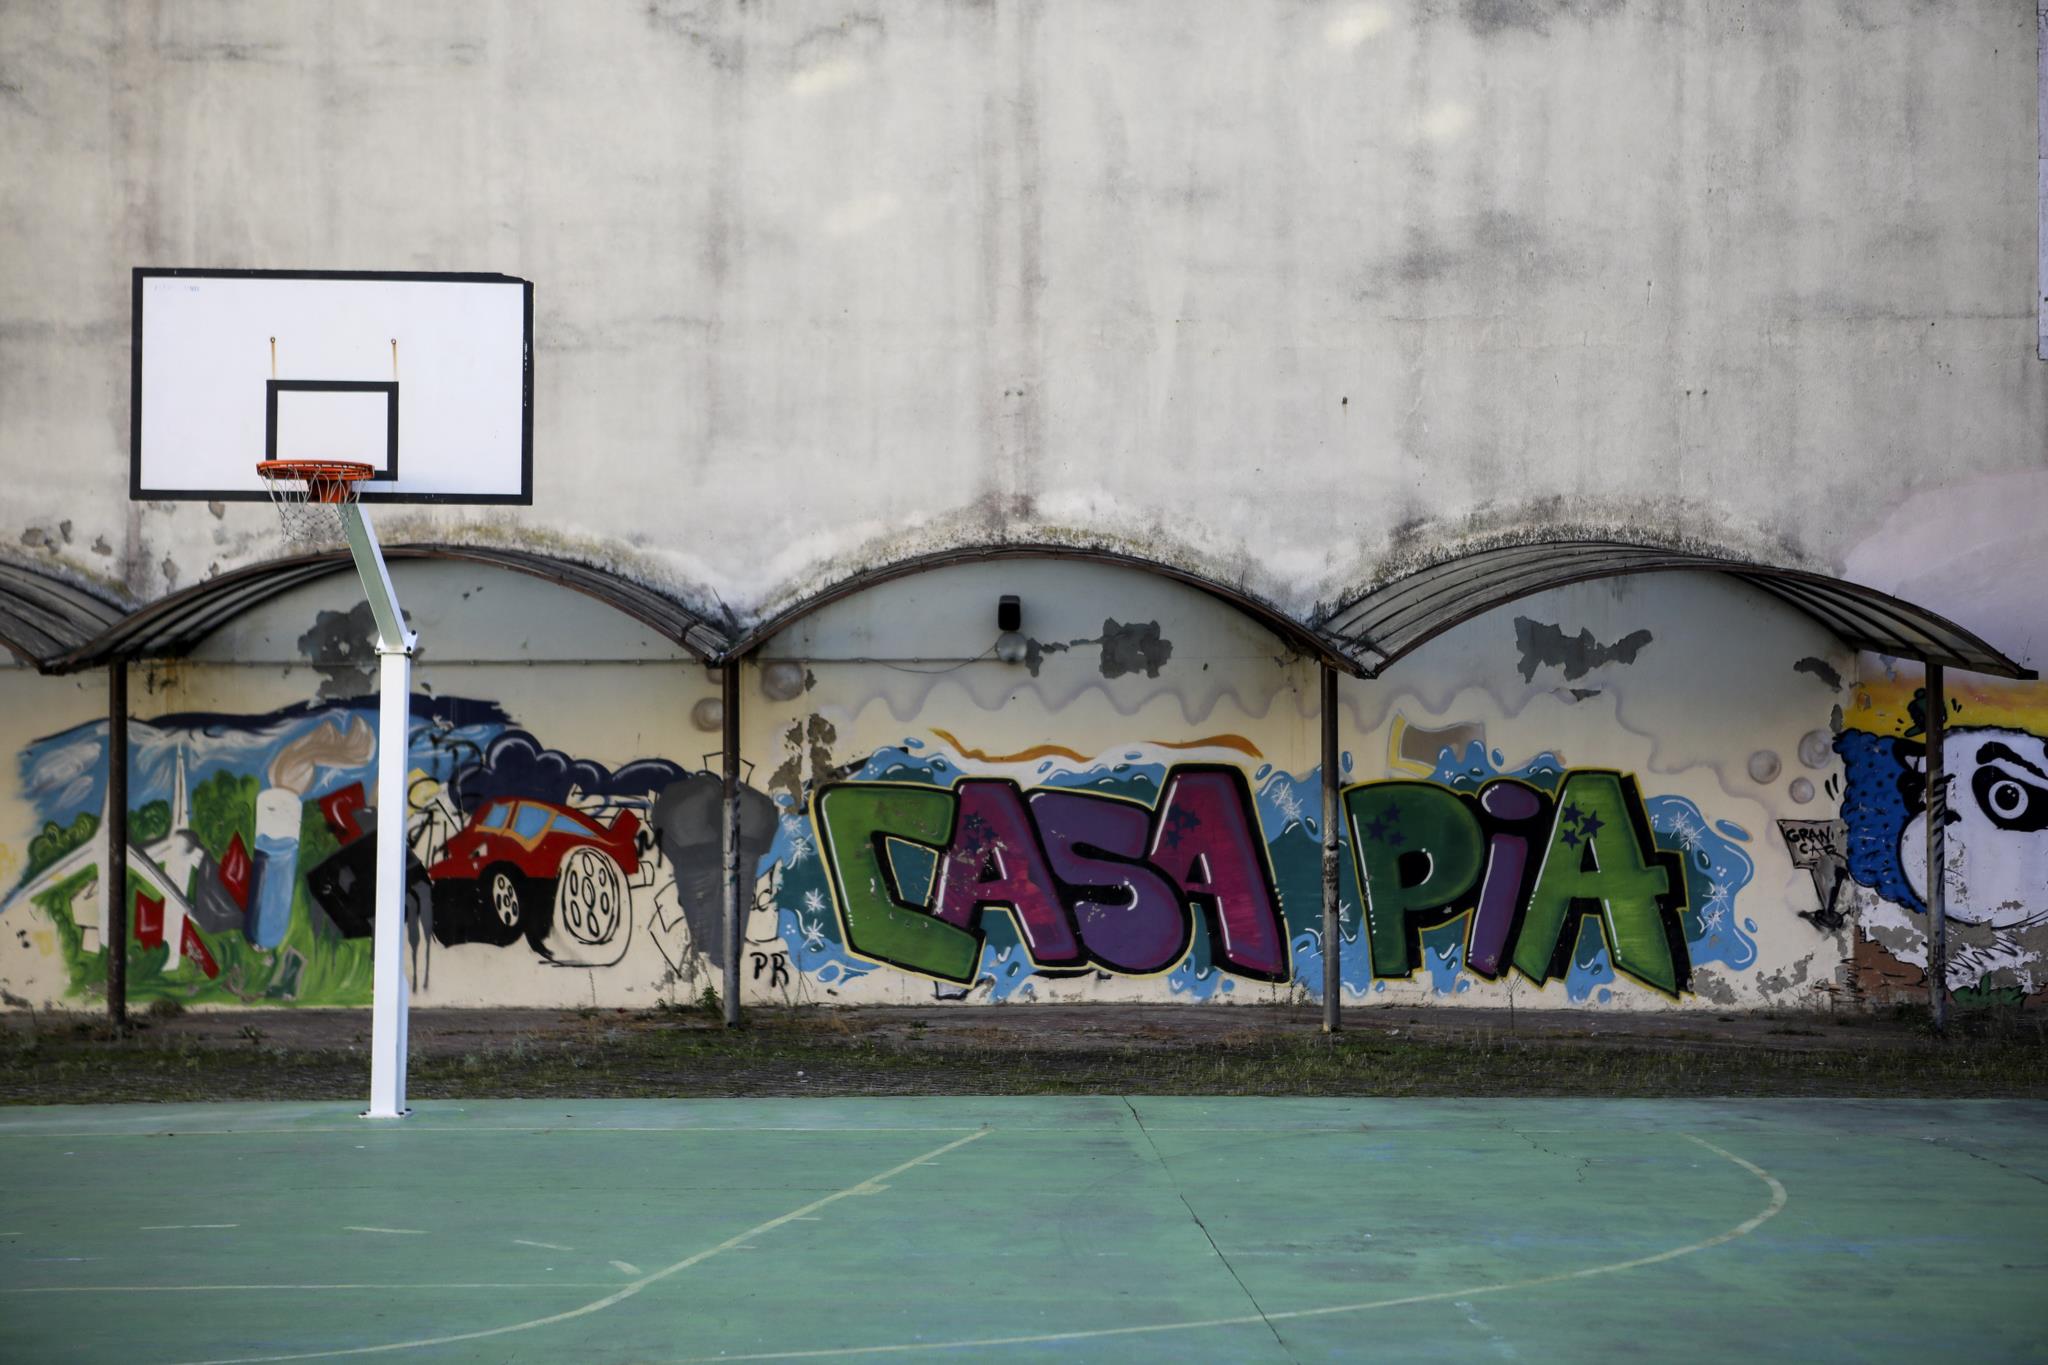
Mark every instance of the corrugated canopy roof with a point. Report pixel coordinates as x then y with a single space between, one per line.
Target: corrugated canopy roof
43 618
61 628
175 625
1388 622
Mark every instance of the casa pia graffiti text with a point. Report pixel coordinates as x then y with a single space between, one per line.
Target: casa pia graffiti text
1099 882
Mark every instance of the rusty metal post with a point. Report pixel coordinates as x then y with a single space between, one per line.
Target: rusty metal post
1936 727
734 926
1333 926
114 865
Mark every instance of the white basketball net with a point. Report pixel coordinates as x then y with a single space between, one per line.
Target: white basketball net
311 504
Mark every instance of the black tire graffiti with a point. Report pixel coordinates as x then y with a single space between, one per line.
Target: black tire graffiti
587 917
590 896
509 906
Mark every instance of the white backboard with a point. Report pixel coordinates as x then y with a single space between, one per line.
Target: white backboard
428 378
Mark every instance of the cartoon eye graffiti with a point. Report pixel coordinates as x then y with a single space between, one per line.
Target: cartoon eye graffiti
2010 802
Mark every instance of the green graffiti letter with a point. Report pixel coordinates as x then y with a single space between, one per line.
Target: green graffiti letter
1601 860
855 821
1419 850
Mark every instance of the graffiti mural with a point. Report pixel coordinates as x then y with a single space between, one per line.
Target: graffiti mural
1208 876
1995 763
252 842
930 868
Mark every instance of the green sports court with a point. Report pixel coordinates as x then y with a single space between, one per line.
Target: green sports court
1101 1228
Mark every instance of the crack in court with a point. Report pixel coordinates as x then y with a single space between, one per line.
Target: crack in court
1180 1194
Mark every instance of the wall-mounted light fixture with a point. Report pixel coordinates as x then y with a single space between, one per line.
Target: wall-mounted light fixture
1011 646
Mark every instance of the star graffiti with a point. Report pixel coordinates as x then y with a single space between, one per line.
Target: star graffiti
1179 821
1578 826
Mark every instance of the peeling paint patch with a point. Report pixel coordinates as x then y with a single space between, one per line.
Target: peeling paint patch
1036 650
1543 644
820 734
1819 668
1137 647
342 646
1785 978
810 740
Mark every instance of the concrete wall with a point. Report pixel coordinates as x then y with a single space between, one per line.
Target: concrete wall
1293 293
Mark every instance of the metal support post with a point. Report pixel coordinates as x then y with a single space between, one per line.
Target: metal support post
1936 726
114 865
734 926
395 643
1333 925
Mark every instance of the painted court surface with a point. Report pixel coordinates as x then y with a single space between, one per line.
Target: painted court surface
1028 1229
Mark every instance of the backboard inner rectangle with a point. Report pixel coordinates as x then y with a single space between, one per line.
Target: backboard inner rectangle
310 419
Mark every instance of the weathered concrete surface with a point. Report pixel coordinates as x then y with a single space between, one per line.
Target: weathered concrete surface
1294 294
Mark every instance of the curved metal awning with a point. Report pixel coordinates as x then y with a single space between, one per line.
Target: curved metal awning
1298 635
1388 622
174 625
43 617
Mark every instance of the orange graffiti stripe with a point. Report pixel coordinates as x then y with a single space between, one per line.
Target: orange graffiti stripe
1237 742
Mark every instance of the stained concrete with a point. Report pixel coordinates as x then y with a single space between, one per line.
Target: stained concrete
1291 295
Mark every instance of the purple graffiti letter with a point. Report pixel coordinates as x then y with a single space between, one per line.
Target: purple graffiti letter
994 860
1130 918
1206 839
1507 864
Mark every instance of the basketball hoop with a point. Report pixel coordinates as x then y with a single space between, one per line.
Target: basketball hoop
310 495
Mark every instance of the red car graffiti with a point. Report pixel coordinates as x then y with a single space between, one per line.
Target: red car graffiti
544 872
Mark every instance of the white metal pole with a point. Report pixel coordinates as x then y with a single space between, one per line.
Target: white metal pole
1936 729
388 1002
394 725
1333 922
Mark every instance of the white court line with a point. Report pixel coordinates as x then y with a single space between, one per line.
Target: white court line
396 1232
626 1267
545 1246
226 1288
180 1227
555 1131
628 1291
1742 1229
